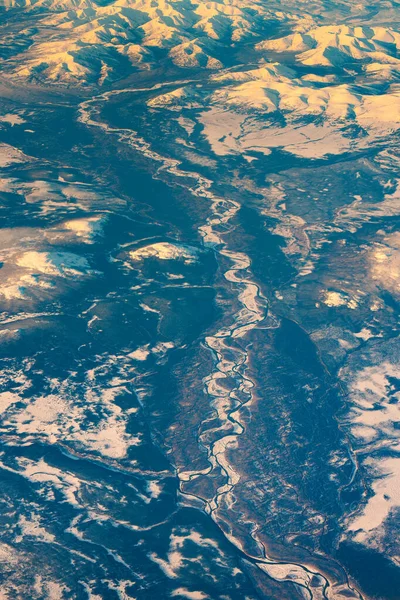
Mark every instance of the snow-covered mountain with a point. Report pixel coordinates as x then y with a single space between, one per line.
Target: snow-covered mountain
340 45
257 110
334 83
81 41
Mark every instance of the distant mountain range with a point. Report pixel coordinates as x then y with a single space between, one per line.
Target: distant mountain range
83 42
